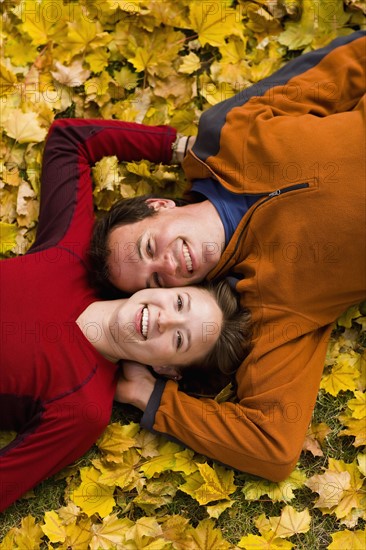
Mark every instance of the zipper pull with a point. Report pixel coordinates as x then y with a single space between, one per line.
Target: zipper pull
274 193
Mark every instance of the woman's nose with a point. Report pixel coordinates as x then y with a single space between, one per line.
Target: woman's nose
168 320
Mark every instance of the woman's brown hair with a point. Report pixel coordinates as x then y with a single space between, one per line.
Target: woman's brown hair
218 368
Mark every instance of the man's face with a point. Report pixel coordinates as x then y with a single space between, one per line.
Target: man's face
169 249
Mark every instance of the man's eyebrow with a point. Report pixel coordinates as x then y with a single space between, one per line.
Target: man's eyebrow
139 247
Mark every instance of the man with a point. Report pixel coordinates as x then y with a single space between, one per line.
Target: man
279 171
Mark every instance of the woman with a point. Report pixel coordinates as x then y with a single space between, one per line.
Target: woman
60 345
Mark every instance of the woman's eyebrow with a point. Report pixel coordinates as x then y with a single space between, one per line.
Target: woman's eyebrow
188 301
189 340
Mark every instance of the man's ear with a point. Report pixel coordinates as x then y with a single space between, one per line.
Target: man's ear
160 204
170 371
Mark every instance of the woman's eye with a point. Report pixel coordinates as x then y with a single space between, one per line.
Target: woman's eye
179 302
179 340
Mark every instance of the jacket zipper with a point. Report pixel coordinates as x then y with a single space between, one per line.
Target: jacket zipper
267 198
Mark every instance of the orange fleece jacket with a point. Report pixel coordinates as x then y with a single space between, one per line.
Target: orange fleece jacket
300 251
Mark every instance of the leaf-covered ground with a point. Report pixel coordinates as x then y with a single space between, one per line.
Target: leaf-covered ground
164 62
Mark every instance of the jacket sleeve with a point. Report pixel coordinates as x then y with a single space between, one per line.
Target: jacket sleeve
72 147
63 432
261 434
314 85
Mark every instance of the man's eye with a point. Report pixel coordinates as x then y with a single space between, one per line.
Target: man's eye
149 251
179 302
179 340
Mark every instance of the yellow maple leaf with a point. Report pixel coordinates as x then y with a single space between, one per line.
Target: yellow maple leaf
27 205
218 484
164 461
97 88
147 443
358 405
8 542
175 530
125 78
98 59
185 122
117 438
185 462
168 13
330 486
157 493
8 234
41 20
53 527
82 35
361 461
92 496
29 535
343 375
19 49
206 537
110 533
10 173
281 491
189 63
354 540
6 438
105 174
192 483
354 495
23 127
265 542
315 436
355 427
215 510
71 75
69 513
123 474
143 59
78 535
214 21
348 316
8 81
291 522
144 527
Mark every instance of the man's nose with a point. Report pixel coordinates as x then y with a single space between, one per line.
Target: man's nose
166 265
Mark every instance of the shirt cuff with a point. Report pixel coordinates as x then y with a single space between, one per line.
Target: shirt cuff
179 148
148 419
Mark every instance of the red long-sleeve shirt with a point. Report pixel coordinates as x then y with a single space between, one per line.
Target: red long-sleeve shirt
56 390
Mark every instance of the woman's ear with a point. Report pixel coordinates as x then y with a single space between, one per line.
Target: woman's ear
160 204
169 371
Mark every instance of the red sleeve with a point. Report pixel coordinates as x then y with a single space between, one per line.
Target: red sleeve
63 432
72 147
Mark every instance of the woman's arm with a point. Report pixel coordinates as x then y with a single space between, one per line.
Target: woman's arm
72 147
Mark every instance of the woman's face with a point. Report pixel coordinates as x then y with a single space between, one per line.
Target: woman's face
166 326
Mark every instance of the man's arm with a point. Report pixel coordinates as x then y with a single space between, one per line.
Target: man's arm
72 147
315 85
135 385
263 433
